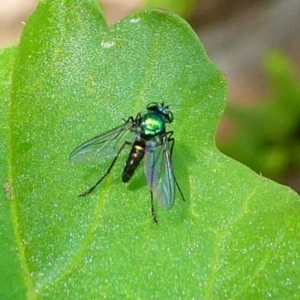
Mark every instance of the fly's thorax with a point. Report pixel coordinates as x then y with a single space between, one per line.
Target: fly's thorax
152 124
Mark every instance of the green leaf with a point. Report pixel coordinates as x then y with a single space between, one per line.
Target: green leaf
236 236
11 283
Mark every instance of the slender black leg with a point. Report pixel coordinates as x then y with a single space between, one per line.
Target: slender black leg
89 190
179 189
172 142
152 208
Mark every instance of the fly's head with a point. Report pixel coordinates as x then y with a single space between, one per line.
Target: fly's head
161 109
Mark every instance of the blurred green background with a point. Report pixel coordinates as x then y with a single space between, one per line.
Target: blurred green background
256 44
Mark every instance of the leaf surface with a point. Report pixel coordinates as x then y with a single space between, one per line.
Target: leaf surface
236 236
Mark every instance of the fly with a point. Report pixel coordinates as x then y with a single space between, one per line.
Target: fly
147 136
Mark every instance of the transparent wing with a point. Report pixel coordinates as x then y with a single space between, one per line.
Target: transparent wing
158 171
106 144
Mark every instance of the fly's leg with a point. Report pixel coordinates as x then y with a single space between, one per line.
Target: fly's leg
89 190
171 140
152 208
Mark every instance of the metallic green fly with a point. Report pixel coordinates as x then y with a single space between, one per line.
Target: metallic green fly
148 139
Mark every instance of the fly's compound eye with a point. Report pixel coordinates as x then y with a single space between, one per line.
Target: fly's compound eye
153 106
170 117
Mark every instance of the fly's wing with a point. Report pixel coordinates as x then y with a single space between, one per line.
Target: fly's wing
159 172
104 145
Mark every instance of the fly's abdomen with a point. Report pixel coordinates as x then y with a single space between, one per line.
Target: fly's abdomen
136 155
